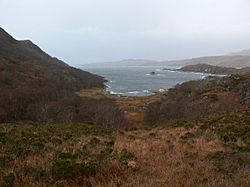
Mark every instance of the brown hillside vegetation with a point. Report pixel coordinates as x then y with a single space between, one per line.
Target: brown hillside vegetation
213 151
201 98
205 68
37 87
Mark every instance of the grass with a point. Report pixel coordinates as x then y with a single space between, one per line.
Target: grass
210 152
46 153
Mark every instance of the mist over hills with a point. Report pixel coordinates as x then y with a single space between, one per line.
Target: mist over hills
239 59
126 62
224 61
245 52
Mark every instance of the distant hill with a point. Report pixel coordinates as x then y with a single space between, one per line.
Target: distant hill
224 61
126 62
234 60
241 53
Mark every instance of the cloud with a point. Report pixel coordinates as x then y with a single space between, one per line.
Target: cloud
96 30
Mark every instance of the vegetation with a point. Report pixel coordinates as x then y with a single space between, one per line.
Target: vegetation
201 98
211 151
36 87
205 68
58 128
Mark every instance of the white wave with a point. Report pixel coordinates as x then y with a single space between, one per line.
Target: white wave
159 75
134 92
158 70
200 73
172 71
161 90
145 91
115 93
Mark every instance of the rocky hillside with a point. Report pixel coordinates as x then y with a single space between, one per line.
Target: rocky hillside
205 68
202 98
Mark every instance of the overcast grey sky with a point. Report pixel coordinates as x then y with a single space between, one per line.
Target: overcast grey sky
82 31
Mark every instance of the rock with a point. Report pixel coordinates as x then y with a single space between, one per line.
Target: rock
152 73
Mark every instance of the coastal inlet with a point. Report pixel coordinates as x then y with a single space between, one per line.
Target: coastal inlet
140 80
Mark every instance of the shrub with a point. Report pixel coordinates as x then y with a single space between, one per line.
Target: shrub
66 169
126 156
9 180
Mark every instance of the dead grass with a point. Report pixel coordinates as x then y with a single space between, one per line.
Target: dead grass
169 156
133 107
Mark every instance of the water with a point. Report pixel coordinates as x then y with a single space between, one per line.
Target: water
138 81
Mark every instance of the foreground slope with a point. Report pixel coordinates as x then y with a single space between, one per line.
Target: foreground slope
212 151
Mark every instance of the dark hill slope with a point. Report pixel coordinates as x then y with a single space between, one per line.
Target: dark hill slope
36 87
23 63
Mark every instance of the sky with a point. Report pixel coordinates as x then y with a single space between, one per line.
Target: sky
85 31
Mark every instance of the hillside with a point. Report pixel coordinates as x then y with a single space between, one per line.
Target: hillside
245 52
127 62
23 63
196 134
37 87
205 68
224 61
239 59
58 127
212 151
202 98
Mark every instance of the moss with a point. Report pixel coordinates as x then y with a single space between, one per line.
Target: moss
125 156
38 146
9 180
187 135
213 98
110 143
180 123
94 141
5 160
104 154
67 155
218 166
3 138
216 155
33 170
66 169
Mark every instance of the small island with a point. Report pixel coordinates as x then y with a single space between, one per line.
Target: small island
152 73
